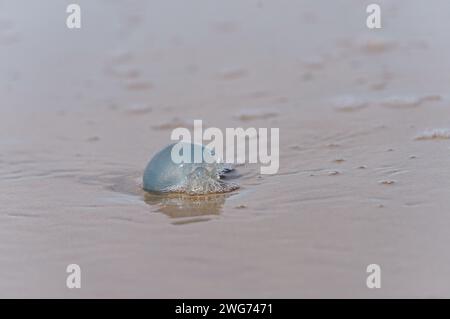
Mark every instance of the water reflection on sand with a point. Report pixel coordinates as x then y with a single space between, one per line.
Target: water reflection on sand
186 207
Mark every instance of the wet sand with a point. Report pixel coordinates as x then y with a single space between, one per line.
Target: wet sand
364 148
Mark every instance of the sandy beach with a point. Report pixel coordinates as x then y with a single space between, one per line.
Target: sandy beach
364 176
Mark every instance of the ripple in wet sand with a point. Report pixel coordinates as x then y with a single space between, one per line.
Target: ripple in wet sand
408 101
173 124
254 114
387 182
434 134
349 104
233 73
138 109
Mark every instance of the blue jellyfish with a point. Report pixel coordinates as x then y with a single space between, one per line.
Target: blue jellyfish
163 174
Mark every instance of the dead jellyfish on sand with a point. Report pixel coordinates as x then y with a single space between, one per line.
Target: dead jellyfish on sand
203 176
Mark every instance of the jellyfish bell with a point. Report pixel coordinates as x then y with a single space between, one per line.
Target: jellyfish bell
186 168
